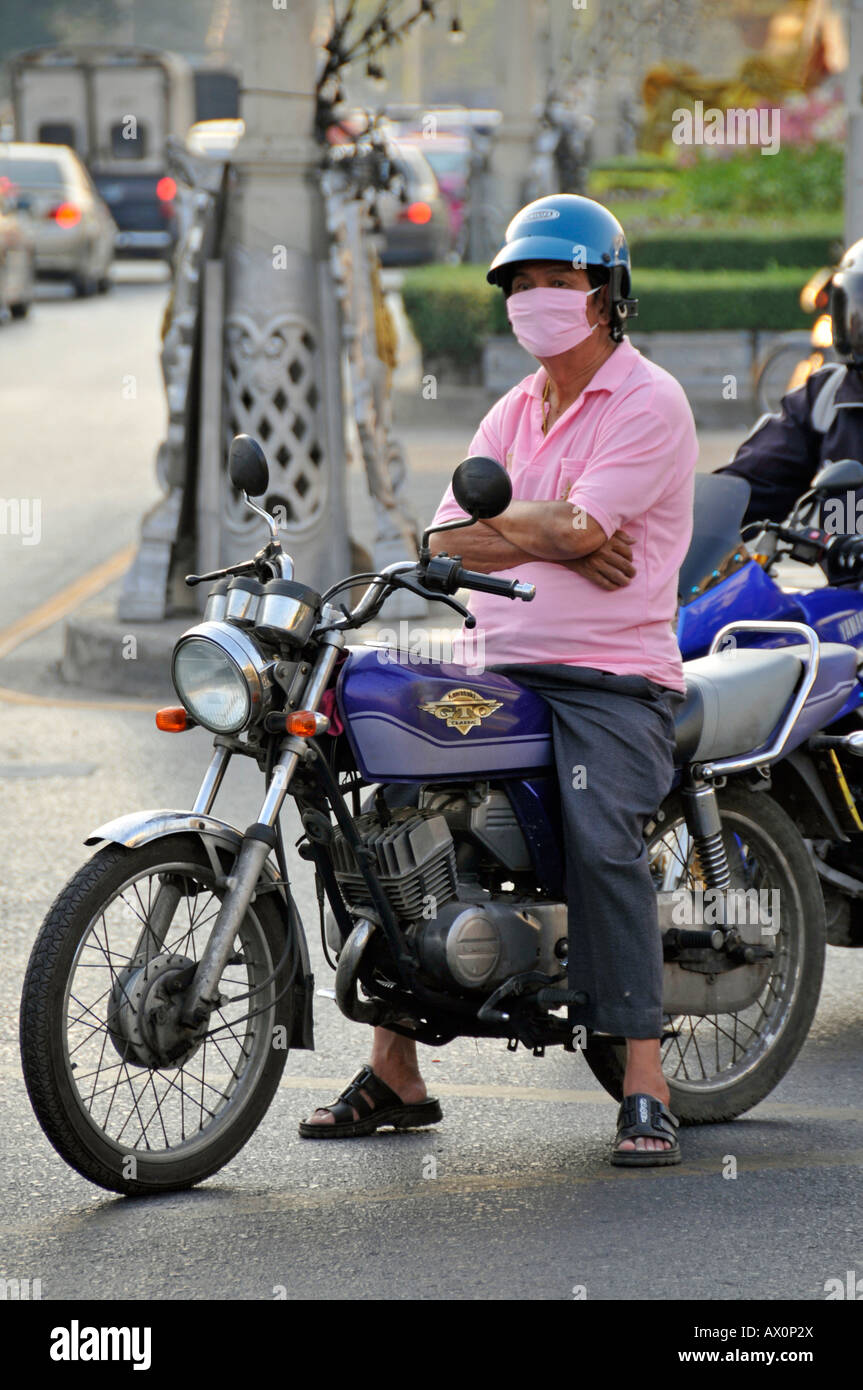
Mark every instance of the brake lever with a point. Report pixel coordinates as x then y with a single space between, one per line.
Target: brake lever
402 583
244 567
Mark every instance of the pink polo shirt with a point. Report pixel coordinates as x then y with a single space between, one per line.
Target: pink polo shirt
625 451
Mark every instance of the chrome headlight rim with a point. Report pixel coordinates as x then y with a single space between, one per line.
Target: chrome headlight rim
254 667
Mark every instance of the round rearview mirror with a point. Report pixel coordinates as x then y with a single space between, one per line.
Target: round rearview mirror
247 465
481 487
844 474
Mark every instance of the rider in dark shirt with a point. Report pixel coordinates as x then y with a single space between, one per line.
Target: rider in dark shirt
819 422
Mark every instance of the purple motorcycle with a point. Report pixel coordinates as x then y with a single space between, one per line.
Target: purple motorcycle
172 977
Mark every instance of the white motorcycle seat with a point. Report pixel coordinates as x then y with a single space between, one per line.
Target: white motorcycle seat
736 698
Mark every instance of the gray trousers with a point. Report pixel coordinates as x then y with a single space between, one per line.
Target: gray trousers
614 749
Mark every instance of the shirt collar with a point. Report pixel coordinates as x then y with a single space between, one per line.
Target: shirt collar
611 374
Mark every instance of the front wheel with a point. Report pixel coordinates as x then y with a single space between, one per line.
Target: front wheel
126 1097
719 1065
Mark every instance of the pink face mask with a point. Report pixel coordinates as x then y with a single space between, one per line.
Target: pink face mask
547 322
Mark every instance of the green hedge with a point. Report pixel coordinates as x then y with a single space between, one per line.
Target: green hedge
453 311
706 249
671 301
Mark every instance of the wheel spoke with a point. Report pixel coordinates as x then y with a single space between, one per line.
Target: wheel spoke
710 1050
135 1105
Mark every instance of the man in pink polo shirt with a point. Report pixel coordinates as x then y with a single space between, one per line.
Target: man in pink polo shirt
601 450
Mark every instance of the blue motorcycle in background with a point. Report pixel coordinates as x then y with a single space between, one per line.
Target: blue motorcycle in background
820 783
172 974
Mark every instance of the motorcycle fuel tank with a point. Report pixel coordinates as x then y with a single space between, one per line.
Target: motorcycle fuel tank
415 721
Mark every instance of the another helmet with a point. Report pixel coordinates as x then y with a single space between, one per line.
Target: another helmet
567 227
846 305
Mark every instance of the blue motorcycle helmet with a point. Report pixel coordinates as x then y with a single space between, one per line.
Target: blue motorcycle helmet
568 227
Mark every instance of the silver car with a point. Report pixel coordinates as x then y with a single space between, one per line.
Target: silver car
73 230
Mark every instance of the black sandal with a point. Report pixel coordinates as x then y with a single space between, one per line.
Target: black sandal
643 1116
388 1110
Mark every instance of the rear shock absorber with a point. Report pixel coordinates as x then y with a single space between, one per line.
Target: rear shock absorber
705 826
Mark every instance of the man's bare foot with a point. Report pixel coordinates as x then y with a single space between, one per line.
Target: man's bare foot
644 1076
394 1061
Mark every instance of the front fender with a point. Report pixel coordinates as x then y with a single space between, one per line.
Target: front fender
141 827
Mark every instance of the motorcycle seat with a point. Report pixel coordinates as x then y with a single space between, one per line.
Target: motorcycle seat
735 699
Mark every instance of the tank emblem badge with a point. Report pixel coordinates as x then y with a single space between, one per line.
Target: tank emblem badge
462 709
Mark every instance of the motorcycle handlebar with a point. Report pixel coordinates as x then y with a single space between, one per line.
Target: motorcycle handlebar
462 578
487 584
846 553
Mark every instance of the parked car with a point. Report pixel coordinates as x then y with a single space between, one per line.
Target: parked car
17 256
73 229
449 157
415 222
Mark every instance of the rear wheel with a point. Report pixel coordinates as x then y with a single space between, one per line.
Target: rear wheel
97 1027
774 371
719 1065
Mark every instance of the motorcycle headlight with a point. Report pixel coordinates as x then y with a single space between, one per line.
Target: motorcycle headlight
222 677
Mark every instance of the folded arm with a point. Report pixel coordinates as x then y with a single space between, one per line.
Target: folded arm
485 549
550 530
480 548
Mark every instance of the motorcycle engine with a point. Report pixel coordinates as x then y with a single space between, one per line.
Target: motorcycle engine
468 939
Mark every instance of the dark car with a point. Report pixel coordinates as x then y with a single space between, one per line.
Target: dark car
416 222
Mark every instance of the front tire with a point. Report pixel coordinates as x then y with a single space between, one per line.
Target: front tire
719 1066
134 1127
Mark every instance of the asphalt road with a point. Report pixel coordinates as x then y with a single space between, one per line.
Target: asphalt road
522 1203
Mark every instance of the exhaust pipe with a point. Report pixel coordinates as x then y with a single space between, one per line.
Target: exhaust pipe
347 972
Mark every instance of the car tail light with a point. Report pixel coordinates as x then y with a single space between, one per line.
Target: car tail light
166 190
418 213
65 215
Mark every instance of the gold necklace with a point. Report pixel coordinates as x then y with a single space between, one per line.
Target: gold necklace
546 404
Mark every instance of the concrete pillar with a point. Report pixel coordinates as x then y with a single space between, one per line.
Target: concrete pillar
516 59
854 140
281 350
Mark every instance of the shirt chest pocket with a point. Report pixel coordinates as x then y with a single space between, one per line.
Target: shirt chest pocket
569 473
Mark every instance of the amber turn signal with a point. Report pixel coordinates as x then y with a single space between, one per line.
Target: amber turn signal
304 723
173 720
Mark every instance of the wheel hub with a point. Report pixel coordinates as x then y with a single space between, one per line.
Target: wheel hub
144 1013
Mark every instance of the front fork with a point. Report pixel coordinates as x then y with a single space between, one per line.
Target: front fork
167 898
259 839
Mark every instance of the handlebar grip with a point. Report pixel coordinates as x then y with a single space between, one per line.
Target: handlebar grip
846 554
488 584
